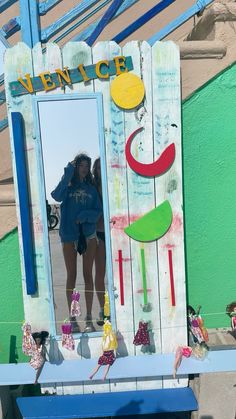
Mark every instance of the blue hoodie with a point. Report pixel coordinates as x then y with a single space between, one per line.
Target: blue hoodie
79 202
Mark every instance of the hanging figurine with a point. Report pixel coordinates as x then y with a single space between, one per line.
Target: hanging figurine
198 351
106 306
67 337
75 310
231 311
33 345
196 326
142 335
109 346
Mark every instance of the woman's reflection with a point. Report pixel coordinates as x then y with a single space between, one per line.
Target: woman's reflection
80 210
100 257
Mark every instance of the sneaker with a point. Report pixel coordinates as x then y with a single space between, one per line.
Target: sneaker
100 320
89 325
74 324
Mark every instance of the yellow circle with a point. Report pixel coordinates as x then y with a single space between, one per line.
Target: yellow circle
127 90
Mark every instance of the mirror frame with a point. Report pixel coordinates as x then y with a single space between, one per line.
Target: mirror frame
6 45
42 194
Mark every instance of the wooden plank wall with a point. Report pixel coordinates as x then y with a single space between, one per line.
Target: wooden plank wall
130 196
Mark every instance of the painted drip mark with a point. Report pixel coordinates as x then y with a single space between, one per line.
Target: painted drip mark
144 278
172 285
172 186
120 260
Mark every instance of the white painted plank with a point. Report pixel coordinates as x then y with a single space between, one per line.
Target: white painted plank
118 203
141 200
167 111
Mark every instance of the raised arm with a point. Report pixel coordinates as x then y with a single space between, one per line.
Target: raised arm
60 191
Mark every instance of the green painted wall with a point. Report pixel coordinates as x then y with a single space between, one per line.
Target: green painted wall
209 156
11 304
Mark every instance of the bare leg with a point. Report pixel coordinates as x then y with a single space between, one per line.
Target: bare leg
100 265
106 371
178 359
70 257
38 372
94 372
88 259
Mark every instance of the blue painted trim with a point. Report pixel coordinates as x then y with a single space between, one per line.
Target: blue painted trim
3 124
108 15
4 4
42 194
125 403
66 19
106 210
90 14
201 4
25 215
29 22
142 20
47 5
82 36
6 45
129 367
11 27
2 97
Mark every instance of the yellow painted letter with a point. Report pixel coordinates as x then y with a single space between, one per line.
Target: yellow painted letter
48 84
98 72
119 63
83 73
28 86
63 75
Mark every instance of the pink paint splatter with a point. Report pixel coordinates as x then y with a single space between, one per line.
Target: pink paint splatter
169 246
122 221
117 166
177 224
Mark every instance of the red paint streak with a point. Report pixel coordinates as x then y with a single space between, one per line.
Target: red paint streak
121 221
117 166
120 259
124 260
172 285
169 246
177 224
141 291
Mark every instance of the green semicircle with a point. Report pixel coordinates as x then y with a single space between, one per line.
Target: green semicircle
153 225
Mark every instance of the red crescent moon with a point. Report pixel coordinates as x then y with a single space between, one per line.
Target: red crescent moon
158 167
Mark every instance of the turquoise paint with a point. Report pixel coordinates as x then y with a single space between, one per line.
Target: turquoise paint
209 164
12 314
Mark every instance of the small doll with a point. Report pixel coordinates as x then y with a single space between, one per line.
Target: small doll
198 351
109 346
75 310
33 345
142 335
67 337
196 325
231 311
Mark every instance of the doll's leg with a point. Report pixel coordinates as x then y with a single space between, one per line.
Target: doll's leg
94 372
106 371
178 359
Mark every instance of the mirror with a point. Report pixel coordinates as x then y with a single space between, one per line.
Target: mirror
71 131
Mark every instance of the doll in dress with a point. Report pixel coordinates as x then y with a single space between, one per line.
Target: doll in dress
231 311
109 346
33 345
198 351
142 335
196 326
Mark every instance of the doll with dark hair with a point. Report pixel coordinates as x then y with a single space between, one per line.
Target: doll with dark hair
196 325
33 345
231 311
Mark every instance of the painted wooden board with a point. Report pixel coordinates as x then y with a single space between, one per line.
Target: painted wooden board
148 278
167 129
140 200
118 208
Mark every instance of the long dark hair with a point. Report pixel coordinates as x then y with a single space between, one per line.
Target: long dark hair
230 308
78 159
40 335
97 179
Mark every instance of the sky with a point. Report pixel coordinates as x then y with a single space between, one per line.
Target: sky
67 128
